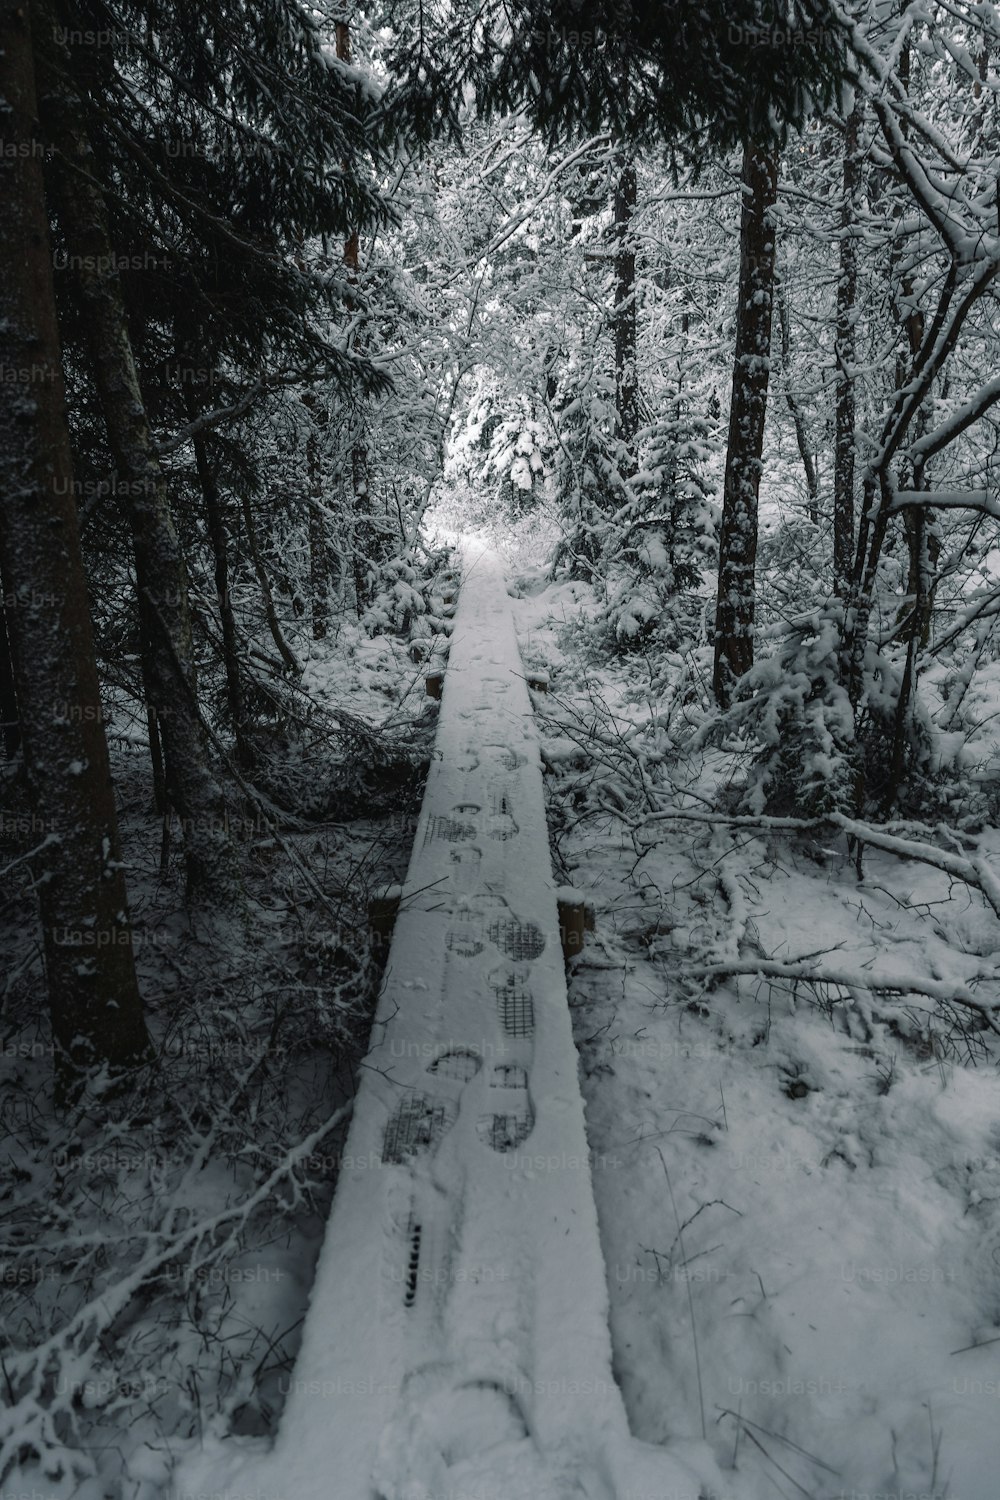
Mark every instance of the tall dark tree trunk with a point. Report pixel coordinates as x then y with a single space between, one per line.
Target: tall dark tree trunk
156 759
919 528
90 971
736 604
319 557
287 654
924 544
9 716
220 556
791 400
625 317
192 788
845 347
366 542
147 633
921 532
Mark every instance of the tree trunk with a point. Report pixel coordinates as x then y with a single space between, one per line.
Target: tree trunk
191 785
319 562
230 647
93 996
161 804
220 555
924 544
9 717
922 537
365 546
798 418
845 346
156 760
920 528
735 609
921 532
287 654
367 541
624 317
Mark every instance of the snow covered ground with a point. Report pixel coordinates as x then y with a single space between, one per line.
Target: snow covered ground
798 1184
457 1343
773 1257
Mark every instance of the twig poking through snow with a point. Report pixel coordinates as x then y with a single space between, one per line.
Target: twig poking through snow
687 1280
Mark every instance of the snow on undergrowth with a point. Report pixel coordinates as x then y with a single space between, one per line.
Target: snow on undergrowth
157 1248
791 1096
787 1060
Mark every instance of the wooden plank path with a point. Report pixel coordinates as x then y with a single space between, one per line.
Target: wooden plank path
457 1344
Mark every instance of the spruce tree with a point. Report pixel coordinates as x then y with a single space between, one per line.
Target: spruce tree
192 165
94 1004
715 71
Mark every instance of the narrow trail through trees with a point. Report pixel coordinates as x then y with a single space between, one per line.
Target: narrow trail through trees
457 1341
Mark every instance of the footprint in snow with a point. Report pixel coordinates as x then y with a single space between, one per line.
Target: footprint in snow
510 1116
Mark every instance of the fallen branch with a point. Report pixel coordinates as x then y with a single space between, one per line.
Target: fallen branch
974 871
897 984
736 820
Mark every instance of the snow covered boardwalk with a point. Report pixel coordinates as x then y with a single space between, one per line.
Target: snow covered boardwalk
457 1345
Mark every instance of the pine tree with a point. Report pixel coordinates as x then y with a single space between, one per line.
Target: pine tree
191 786
93 996
719 71
200 174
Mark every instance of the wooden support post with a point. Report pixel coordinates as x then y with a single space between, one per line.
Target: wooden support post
382 912
576 916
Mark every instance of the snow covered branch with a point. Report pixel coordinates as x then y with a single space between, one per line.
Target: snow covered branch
946 432
946 500
974 871
808 972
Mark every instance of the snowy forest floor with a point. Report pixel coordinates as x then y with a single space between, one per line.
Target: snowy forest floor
798 1183
798 1180
222 1170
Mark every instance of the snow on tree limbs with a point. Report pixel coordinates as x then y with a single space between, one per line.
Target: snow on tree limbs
718 72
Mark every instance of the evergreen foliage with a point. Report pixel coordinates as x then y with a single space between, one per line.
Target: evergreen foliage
643 70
